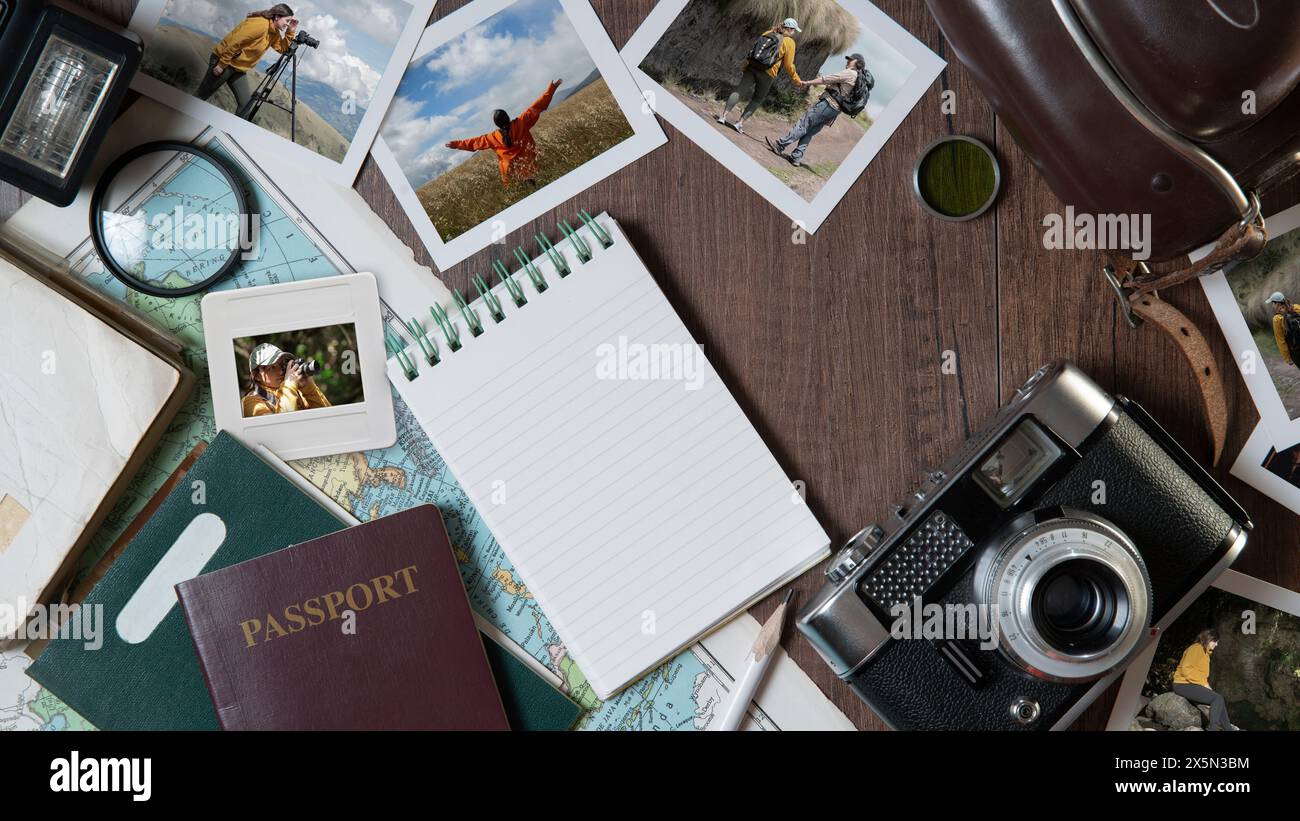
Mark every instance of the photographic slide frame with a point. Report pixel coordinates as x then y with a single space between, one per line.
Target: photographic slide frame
272 309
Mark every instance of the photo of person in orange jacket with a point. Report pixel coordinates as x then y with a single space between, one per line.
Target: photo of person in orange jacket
512 140
241 49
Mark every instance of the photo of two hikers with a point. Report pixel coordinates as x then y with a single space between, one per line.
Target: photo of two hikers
795 84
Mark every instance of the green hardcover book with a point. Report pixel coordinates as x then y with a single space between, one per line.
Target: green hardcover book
230 507
531 702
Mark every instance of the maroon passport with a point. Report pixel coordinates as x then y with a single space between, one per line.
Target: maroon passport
368 628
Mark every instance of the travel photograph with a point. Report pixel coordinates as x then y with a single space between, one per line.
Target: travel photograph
499 112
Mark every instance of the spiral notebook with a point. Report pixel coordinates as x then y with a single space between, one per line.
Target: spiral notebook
637 503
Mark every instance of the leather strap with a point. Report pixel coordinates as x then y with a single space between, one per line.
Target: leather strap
1196 350
1240 242
1138 287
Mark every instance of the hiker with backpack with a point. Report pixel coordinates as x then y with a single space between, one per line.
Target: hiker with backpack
773 51
1286 326
846 92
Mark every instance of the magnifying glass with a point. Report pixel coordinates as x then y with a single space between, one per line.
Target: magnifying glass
169 219
956 178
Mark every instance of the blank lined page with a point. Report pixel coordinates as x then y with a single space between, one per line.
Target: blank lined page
634 498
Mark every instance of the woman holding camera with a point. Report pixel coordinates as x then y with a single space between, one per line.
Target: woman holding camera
241 49
279 384
1192 679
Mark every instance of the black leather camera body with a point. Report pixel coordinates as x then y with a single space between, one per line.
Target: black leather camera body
1074 525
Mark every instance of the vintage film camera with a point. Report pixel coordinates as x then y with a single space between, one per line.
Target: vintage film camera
1079 526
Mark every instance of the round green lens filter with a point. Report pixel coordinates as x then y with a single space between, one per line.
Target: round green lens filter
956 178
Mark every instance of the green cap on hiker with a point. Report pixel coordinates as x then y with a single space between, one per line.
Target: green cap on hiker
1277 296
791 23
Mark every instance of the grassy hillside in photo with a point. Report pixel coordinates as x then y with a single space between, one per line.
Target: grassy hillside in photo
583 126
1277 268
179 57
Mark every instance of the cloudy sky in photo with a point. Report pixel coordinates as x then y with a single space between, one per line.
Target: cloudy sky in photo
357 37
503 62
888 68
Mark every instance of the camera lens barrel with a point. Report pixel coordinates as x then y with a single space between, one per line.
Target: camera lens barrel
1071 592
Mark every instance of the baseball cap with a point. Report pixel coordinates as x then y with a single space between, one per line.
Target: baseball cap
791 23
1277 296
862 61
264 354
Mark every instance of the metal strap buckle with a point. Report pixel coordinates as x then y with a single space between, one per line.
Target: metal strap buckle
1125 307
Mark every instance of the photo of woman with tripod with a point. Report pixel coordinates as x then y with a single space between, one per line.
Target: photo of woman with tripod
241 49
317 73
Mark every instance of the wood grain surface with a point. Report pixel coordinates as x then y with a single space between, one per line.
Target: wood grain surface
834 347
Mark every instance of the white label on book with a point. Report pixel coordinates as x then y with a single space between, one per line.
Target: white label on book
156 595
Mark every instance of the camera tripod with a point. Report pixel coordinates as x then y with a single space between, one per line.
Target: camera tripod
262 94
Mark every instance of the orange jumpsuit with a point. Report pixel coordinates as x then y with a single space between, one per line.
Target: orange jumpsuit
521 154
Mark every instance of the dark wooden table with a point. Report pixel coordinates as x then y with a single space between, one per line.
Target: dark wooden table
834 348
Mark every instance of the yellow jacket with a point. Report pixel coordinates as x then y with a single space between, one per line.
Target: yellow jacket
1279 336
1195 666
306 395
785 58
248 41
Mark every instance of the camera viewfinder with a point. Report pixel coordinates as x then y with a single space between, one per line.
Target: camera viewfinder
1022 457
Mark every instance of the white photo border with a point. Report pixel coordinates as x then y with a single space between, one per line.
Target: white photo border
1250 469
1283 431
1238 584
145 20
807 215
646 136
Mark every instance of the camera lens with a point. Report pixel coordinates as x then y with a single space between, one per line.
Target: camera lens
1071 592
1079 605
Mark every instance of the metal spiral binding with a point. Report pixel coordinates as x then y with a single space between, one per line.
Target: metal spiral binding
528 264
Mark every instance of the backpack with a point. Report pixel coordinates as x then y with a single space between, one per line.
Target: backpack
1291 322
855 101
767 51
